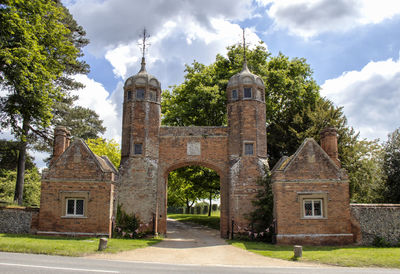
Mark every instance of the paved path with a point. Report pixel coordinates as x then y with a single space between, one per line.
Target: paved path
191 244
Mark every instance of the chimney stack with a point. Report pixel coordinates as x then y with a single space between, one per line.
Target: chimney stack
61 142
329 143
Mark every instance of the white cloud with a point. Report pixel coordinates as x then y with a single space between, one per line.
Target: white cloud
110 23
370 97
176 44
308 18
96 97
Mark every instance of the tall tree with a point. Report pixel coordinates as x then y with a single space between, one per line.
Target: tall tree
40 44
295 111
9 156
391 167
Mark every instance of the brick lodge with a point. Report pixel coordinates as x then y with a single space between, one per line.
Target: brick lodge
80 190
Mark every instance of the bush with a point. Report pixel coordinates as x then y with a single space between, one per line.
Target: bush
380 242
126 225
261 219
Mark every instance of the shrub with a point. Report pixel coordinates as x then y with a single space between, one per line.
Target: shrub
126 225
380 242
262 219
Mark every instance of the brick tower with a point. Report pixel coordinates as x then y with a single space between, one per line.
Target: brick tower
247 145
140 145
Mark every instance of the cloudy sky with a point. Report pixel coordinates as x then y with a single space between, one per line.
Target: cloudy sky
353 46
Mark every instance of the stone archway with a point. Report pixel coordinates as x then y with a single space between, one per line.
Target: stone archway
224 212
184 146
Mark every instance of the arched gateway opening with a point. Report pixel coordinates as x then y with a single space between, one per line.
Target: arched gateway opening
193 146
190 184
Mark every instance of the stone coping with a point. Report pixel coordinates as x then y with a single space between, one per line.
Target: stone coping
20 208
375 205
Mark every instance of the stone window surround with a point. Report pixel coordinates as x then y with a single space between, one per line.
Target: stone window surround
244 147
81 195
323 196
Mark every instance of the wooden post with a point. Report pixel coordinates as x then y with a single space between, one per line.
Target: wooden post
298 251
103 244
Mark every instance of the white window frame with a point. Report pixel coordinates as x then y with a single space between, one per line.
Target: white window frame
313 216
74 214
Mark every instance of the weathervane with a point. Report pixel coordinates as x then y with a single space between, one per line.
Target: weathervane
142 46
244 46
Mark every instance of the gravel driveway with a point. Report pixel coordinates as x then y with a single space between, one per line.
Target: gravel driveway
195 244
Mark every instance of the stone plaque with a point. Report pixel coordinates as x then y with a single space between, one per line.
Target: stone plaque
193 148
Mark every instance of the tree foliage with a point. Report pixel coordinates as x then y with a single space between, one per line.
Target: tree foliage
31 195
40 44
104 147
294 111
186 185
391 167
263 215
9 151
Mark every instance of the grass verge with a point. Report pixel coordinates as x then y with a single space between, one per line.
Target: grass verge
355 256
67 246
209 221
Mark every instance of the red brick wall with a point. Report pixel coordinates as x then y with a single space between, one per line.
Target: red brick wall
99 204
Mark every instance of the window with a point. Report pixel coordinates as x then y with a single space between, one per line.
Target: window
234 94
129 95
152 95
248 149
247 93
138 149
75 207
312 208
140 94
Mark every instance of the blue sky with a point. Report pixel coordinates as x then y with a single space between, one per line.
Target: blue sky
353 47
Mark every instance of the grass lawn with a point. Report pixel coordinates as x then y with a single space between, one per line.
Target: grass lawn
357 256
212 221
67 246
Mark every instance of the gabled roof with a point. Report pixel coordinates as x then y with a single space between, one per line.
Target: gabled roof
309 162
103 163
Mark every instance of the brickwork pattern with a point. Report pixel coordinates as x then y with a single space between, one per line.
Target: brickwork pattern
310 171
77 173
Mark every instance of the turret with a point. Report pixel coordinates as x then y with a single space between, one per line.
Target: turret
141 114
247 144
246 115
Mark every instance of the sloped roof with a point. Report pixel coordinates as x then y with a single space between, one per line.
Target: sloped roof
103 163
309 162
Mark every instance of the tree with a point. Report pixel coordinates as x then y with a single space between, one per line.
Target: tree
9 156
263 215
294 111
109 148
391 167
183 187
209 181
40 45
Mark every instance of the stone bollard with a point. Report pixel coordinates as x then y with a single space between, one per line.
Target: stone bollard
298 251
103 244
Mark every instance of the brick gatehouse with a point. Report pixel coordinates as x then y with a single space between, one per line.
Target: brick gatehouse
310 189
